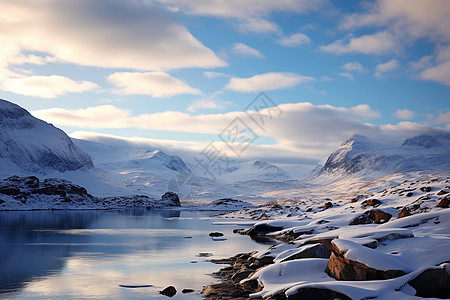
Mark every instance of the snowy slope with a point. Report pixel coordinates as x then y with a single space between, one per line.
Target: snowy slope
30 145
254 170
360 156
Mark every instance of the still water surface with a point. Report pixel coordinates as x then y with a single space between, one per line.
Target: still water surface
88 254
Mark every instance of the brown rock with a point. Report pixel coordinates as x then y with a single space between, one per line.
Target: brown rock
372 216
444 203
442 192
241 275
224 291
432 283
370 202
353 200
328 205
342 268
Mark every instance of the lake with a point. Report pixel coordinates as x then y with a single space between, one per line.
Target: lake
88 254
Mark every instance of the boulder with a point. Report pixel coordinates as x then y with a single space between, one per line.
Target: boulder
215 234
186 291
376 216
224 290
444 203
169 291
442 192
342 268
433 283
316 251
171 199
261 229
370 202
328 205
425 189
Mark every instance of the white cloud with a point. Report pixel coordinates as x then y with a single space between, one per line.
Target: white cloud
207 103
126 34
353 66
294 40
378 43
443 118
414 18
214 74
243 9
45 86
267 82
389 66
245 50
404 114
303 129
257 25
364 111
155 84
347 75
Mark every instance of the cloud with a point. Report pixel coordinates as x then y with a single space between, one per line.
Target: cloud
267 82
214 74
378 43
110 34
404 114
353 66
155 84
208 103
294 40
243 9
45 86
437 67
364 111
347 75
303 130
257 25
389 66
244 50
414 18
443 118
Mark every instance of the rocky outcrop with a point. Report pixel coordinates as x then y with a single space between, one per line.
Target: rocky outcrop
315 251
444 203
170 199
342 268
376 216
433 283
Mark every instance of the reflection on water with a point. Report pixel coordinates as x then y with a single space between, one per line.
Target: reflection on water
88 254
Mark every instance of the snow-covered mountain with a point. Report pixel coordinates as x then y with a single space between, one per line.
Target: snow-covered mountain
254 170
361 156
31 146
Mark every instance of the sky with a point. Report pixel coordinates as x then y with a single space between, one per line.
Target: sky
180 74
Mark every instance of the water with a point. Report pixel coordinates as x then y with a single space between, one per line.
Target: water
88 254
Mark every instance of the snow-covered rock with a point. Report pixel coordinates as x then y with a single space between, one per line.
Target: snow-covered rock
29 145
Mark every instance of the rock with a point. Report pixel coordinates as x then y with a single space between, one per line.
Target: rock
261 262
171 199
204 254
328 205
262 229
9 191
442 192
425 189
186 291
409 194
316 251
370 202
342 268
241 275
224 290
433 283
317 294
444 203
353 200
372 216
409 210
215 234
169 291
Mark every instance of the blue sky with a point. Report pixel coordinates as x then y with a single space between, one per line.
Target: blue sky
175 73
